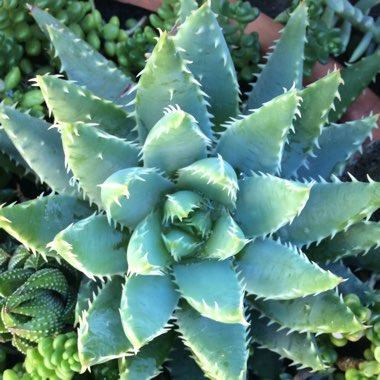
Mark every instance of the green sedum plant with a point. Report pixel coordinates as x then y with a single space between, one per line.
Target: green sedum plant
202 211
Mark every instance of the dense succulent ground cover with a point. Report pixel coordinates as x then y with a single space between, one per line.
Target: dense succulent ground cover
201 227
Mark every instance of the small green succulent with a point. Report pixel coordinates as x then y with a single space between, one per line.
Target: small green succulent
202 211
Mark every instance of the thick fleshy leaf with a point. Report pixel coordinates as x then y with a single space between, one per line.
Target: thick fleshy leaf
202 43
282 70
147 363
317 100
71 103
12 279
200 222
27 133
256 141
8 149
266 203
85 295
35 223
166 81
301 348
180 204
147 304
146 253
220 349
82 63
175 135
321 313
262 266
326 211
93 247
108 154
356 78
226 240
360 237
185 9
129 195
100 335
217 292
331 157
213 177
180 363
369 260
180 244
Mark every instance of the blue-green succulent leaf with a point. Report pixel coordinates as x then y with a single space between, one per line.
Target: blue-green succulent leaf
356 78
317 100
213 177
146 252
108 155
177 135
71 103
146 364
220 349
82 63
201 42
27 133
147 304
256 141
331 157
180 364
283 68
8 149
166 81
369 260
300 348
100 335
180 204
200 221
93 247
217 292
226 239
326 211
35 223
262 264
359 238
185 9
180 244
129 195
266 203
85 295
321 313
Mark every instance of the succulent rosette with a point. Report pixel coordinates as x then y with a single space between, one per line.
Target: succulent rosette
202 211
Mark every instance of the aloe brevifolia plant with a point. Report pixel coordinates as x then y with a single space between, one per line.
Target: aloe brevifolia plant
201 216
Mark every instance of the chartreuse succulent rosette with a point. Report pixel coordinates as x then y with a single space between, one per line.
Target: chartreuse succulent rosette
201 212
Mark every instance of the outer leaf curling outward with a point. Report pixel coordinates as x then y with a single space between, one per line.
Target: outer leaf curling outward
93 247
27 132
100 335
266 203
262 265
220 349
202 42
326 211
109 154
330 158
49 214
256 141
317 100
282 70
321 313
82 63
166 81
301 348
71 103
